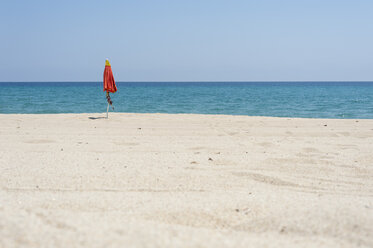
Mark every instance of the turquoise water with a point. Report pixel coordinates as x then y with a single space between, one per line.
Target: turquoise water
282 99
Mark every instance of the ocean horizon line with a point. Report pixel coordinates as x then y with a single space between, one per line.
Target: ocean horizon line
208 81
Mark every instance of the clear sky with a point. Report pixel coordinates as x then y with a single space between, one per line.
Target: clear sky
190 40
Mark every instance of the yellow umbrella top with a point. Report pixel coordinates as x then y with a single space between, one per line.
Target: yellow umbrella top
107 63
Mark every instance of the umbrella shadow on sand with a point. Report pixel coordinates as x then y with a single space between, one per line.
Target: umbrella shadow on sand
96 118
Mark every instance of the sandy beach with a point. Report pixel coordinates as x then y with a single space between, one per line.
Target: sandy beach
161 180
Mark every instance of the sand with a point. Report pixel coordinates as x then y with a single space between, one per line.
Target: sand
159 180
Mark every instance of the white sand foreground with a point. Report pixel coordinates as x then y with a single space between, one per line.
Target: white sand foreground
159 180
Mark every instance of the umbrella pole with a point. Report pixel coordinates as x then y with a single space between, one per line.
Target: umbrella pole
108 104
107 111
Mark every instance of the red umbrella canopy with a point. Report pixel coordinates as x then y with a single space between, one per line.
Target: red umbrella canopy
109 83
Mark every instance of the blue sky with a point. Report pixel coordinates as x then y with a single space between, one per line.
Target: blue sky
267 40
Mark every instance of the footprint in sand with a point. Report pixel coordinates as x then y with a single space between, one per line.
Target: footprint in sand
311 150
265 144
265 179
197 148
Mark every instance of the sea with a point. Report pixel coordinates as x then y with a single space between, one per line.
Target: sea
341 100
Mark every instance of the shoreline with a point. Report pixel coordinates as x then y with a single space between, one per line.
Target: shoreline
180 114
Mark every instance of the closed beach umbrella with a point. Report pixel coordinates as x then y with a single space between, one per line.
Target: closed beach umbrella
109 85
